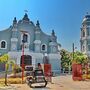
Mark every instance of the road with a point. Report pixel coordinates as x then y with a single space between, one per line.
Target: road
62 82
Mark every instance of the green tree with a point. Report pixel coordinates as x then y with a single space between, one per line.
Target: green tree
79 58
65 59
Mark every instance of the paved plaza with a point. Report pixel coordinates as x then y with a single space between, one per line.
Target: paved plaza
63 82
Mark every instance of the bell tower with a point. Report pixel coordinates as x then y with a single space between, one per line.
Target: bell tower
37 42
53 43
14 38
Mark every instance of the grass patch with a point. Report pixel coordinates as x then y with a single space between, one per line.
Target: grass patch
2 83
12 81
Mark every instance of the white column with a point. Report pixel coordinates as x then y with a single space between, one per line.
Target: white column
33 62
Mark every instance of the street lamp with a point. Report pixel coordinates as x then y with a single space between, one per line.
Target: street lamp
23 41
73 47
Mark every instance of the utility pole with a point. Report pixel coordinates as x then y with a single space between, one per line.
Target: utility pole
72 56
73 50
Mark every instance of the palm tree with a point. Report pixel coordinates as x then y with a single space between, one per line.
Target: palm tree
5 59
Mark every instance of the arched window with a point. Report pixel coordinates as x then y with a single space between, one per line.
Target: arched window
3 44
83 33
43 47
88 31
25 38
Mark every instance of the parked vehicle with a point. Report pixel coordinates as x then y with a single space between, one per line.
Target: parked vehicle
37 79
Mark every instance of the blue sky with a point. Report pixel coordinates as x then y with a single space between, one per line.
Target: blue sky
64 16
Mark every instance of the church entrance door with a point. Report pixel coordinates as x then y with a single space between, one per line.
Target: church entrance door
27 60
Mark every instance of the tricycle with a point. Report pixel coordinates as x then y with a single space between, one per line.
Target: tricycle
37 79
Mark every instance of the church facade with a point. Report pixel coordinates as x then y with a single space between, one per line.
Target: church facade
38 47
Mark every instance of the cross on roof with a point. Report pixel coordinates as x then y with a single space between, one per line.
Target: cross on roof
25 11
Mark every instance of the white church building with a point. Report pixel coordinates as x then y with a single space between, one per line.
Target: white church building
38 46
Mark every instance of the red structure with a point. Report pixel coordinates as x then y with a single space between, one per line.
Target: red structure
77 72
23 41
23 62
48 72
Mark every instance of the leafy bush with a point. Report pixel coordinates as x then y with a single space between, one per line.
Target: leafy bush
88 76
17 69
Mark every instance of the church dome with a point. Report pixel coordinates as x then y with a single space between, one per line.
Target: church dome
86 19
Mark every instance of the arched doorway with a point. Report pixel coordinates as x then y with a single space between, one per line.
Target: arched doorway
27 60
